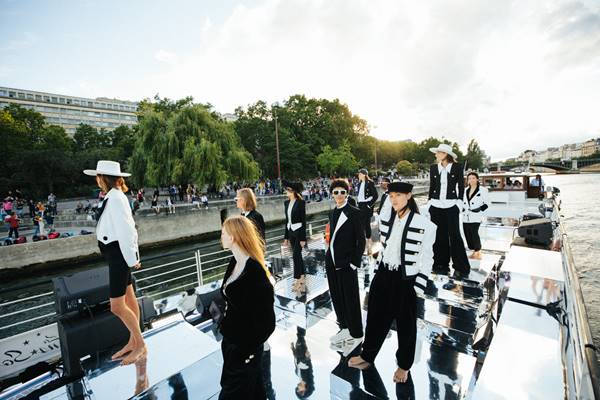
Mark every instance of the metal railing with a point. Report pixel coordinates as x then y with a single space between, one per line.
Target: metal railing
194 268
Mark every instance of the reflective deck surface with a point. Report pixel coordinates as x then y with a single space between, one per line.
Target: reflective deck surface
482 337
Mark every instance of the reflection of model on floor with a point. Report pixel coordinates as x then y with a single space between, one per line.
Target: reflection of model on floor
303 365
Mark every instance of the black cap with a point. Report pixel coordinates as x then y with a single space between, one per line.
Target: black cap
363 171
400 187
295 186
386 179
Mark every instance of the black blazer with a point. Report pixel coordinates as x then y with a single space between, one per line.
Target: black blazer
370 190
298 216
249 317
456 182
258 221
347 239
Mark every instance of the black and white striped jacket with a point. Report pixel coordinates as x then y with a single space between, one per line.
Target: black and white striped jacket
415 247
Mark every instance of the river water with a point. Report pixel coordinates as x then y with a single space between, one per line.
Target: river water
581 211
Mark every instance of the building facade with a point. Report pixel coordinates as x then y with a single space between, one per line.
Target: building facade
70 111
590 147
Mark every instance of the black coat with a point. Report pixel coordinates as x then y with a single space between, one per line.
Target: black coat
370 191
298 216
347 239
258 221
249 317
383 199
456 182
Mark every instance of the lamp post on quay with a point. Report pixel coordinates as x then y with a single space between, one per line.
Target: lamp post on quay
275 106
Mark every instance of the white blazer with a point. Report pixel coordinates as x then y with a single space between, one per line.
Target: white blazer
414 245
116 224
479 200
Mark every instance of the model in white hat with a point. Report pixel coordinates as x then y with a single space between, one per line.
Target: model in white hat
446 189
118 243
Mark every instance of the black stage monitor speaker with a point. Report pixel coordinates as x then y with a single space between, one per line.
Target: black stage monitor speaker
80 290
536 231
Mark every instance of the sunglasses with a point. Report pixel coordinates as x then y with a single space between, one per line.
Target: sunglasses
337 192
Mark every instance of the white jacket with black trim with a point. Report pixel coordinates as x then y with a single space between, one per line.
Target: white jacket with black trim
416 248
474 208
116 224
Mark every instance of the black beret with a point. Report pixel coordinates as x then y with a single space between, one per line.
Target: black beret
400 187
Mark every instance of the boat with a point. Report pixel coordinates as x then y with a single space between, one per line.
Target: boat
516 328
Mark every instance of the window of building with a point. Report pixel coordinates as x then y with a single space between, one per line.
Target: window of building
20 95
62 100
90 104
54 100
38 97
47 98
68 101
3 92
29 96
12 94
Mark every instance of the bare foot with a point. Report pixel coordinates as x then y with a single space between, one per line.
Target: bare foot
476 255
401 375
128 347
135 354
358 362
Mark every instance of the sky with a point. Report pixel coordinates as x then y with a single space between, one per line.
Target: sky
514 75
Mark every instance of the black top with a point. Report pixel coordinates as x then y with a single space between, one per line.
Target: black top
298 216
249 317
258 221
455 177
370 191
349 240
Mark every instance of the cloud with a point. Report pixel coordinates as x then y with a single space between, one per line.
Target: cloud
166 56
512 74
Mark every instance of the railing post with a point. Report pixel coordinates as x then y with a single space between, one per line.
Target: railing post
310 230
199 267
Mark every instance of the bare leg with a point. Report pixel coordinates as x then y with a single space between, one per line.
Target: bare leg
130 318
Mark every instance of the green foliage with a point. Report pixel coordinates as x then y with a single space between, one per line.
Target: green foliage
339 162
405 168
187 143
475 156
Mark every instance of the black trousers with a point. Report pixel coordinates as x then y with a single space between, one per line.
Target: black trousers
471 230
343 288
391 298
15 231
241 380
365 216
448 242
297 255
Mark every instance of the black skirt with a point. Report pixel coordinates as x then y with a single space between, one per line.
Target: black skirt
118 270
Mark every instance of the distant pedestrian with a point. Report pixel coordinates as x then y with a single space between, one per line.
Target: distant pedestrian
13 224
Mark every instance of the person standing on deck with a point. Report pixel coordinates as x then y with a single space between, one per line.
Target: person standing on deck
403 272
366 198
342 260
446 190
475 203
118 243
295 230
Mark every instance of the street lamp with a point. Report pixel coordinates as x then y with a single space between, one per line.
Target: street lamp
275 106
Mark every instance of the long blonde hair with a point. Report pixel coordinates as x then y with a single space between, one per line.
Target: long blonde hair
249 198
246 236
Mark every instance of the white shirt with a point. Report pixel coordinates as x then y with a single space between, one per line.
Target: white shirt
442 202
361 192
391 254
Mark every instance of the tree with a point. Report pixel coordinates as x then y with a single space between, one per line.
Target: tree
405 168
475 156
187 143
338 162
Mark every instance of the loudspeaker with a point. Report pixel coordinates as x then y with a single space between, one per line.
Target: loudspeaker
536 231
80 290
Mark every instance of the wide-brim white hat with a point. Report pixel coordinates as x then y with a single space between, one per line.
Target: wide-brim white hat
443 147
105 167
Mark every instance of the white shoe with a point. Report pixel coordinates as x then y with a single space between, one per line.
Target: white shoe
350 345
340 336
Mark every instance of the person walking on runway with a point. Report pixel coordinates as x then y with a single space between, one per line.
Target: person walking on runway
249 316
446 190
366 198
246 202
295 230
403 272
385 210
342 260
118 243
475 203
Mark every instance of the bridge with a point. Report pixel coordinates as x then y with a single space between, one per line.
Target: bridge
592 164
